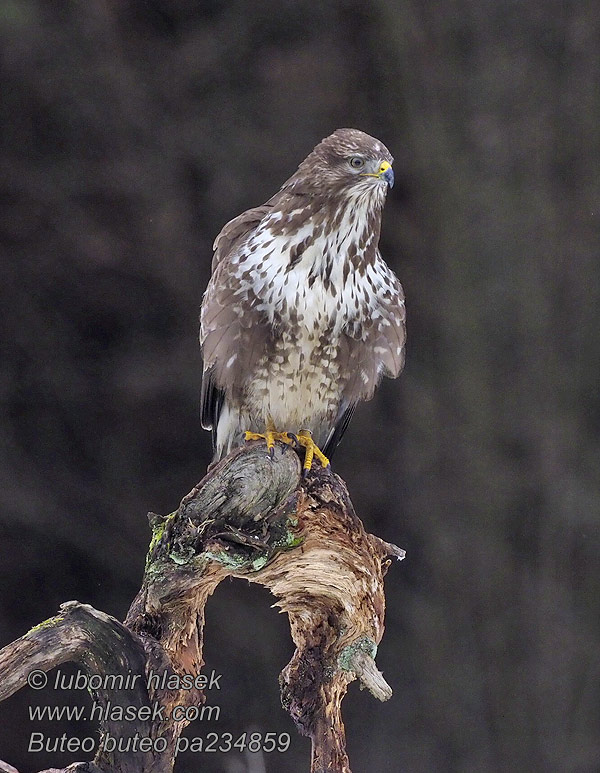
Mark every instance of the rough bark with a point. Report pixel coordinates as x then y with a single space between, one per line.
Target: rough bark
256 517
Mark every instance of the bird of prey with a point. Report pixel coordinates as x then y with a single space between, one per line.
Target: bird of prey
302 317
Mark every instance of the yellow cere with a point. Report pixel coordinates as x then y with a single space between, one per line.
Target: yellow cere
385 165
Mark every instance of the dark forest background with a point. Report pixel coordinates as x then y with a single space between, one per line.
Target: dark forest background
131 131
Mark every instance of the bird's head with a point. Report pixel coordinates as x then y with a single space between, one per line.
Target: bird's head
347 162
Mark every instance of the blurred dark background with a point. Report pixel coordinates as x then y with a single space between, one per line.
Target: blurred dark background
131 131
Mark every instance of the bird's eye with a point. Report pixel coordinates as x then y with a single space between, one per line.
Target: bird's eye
356 162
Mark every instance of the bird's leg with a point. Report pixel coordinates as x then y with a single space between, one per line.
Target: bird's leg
303 438
271 435
312 450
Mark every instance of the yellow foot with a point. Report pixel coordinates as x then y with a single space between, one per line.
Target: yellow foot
303 438
271 435
312 450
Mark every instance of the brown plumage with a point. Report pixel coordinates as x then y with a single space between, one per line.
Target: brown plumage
302 317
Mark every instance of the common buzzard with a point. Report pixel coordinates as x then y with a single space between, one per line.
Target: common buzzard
302 317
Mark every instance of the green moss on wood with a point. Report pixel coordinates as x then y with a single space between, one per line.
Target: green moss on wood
49 623
158 529
346 656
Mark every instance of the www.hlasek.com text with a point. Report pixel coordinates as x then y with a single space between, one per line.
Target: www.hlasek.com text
113 712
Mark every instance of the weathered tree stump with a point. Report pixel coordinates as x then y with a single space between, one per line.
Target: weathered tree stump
252 516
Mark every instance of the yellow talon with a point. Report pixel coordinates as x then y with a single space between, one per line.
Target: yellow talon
304 438
270 436
312 450
254 436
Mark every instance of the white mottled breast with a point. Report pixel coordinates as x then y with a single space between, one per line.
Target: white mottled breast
311 304
267 256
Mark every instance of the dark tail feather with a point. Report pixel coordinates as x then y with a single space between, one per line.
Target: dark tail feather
340 426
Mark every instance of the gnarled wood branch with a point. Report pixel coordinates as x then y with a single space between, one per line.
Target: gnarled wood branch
252 516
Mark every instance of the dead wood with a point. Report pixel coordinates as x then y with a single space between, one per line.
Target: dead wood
255 517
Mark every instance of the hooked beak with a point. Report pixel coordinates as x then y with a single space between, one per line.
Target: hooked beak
386 171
